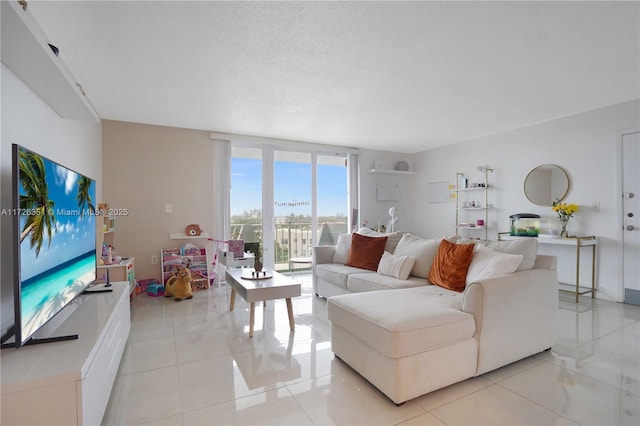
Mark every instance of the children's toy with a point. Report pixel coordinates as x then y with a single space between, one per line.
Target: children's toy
179 285
214 273
193 230
155 290
145 283
199 281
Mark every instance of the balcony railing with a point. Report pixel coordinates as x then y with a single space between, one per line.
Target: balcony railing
291 239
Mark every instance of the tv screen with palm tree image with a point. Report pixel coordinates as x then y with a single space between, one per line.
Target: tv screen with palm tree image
55 233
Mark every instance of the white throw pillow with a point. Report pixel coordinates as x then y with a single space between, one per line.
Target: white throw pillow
396 266
343 246
487 263
527 247
470 241
423 250
392 238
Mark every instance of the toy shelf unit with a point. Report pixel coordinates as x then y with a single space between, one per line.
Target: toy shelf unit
195 258
472 206
124 270
109 224
117 267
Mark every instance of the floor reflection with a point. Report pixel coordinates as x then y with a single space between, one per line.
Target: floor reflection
192 362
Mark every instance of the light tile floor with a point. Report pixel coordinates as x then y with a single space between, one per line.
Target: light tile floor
192 363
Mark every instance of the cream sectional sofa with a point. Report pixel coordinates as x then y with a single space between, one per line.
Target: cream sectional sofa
409 337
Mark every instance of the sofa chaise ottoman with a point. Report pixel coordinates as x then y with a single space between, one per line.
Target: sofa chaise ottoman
401 340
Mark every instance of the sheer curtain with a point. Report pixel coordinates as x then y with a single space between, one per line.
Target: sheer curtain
354 198
221 188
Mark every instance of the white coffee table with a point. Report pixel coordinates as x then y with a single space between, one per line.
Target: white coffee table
254 290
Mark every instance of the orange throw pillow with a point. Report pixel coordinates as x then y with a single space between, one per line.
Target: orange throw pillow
449 269
366 252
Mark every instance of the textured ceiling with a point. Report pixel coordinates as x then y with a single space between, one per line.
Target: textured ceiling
395 76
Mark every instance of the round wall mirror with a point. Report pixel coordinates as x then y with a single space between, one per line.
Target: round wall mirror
545 184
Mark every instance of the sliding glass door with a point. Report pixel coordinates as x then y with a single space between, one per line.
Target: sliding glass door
333 197
288 200
292 207
246 195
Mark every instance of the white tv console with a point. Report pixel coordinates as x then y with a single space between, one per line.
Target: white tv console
69 382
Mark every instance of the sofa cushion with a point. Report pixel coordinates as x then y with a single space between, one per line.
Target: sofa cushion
341 254
338 274
366 251
396 266
527 247
443 295
423 250
451 264
400 323
488 263
392 237
369 282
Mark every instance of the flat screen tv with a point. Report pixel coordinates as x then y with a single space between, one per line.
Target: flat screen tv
55 239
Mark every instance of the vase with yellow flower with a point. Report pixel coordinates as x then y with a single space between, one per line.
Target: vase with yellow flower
565 212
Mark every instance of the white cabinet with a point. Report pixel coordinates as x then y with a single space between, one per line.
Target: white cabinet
69 382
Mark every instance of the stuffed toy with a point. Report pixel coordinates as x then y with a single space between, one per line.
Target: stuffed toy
179 286
193 230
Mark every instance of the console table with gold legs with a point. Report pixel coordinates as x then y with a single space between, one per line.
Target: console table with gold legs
578 243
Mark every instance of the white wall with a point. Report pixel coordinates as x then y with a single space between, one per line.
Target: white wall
147 167
28 121
372 210
585 145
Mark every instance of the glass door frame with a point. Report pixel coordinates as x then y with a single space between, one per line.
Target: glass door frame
268 190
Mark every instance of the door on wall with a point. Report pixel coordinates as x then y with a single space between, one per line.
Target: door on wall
631 216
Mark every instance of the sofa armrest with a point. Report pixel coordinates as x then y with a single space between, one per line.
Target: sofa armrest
515 315
320 255
323 254
544 261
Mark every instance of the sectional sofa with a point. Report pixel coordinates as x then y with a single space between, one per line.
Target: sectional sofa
409 337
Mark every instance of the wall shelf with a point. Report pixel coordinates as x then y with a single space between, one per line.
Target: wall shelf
25 51
390 172
183 236
478 188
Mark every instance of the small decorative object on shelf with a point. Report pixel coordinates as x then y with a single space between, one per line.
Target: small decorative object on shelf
565 212
402 166
193 230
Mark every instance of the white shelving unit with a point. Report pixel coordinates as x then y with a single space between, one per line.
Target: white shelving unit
467 216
